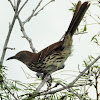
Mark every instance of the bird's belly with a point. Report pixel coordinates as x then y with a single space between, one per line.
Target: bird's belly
56 61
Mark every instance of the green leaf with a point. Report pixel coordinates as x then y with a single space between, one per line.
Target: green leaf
85 28
1 78
93 37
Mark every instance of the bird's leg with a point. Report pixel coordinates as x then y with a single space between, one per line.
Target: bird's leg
61 67
42 76
49 81
39 75
43 82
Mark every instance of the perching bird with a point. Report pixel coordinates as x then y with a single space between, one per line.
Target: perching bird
52 58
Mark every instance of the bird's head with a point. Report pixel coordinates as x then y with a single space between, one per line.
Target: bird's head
22 56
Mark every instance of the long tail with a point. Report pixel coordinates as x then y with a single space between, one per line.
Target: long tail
77 17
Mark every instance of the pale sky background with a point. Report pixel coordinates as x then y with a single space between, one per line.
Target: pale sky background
44 29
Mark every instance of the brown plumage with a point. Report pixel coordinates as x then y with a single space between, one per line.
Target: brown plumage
53 57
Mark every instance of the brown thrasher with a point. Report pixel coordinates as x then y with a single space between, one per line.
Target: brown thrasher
52 58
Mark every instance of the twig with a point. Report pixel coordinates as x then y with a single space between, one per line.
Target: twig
96 86
9 33
75 93
93 17
10 48
78 85
70 84
29 18
25 35
80 33
22 28
23 6
33 13
43 7
11 4
96 82
69 90
74 34
24 72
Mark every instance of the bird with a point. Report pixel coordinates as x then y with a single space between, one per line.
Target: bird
52 58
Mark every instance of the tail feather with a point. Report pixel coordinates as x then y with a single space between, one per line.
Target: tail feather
77 17
75 14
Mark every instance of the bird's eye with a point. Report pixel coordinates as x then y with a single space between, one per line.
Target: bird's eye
18 54
22 55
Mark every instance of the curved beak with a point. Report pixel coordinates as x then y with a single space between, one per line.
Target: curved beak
13 57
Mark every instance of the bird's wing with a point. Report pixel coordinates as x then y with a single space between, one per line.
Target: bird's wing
48 50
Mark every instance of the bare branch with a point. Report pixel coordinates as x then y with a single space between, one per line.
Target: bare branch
34 14
9 32
12 4
80 33
77 85
70 90
29 18
25 35
23 6
43 7
45 92
64 86
22 28
10 48
74 34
